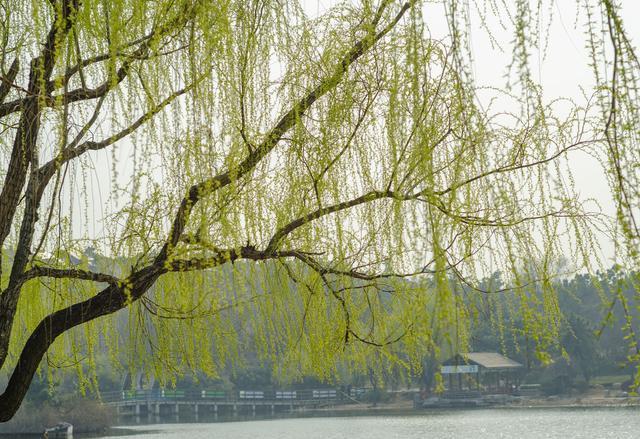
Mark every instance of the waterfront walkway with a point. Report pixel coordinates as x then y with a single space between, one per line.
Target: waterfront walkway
153 405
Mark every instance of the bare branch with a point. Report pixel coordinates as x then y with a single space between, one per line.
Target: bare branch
299 222
515 166
73 150
76 273
60 81
7 82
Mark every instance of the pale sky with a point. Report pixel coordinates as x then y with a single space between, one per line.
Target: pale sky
562 70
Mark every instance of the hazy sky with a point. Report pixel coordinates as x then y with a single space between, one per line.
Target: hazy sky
562 68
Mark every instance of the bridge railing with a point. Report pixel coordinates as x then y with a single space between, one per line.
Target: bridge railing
299 396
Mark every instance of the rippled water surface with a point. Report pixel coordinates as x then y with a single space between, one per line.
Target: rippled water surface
618 423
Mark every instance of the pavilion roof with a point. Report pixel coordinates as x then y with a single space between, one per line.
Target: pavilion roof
488 360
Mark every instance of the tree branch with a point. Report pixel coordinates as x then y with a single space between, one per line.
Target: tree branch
514 167
74 150
286 122
299 222
75 273
7 82
24 153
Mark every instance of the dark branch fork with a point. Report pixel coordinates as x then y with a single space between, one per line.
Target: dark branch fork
25 155
142 52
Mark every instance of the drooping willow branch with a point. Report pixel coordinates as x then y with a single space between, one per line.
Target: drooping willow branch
118 294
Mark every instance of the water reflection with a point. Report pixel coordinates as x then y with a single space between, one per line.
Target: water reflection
614 423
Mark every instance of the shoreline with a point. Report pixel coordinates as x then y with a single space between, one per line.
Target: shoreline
404 407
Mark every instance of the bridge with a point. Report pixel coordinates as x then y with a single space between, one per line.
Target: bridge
176 404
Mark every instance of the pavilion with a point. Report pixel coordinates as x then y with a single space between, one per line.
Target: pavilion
485 372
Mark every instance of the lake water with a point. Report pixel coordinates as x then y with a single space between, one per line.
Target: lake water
614 423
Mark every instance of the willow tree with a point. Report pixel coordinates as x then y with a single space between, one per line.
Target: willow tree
334 171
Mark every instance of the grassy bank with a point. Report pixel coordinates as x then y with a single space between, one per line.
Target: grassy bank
86 415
